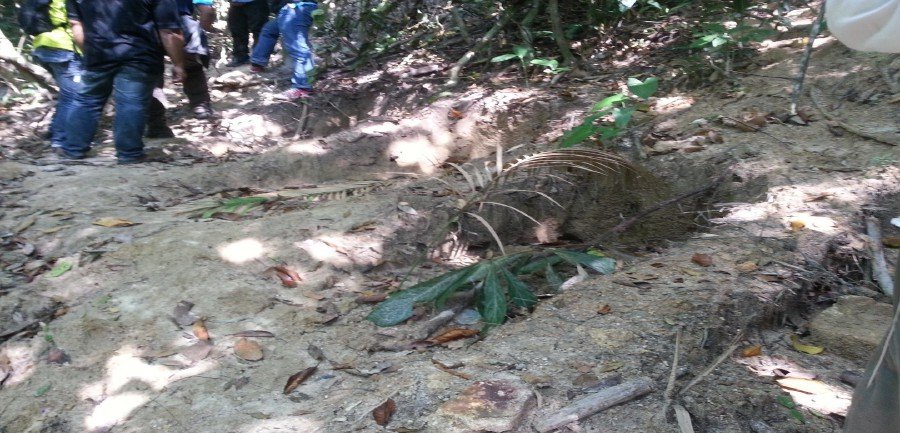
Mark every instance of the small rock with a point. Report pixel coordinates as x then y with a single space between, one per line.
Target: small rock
496 405
853 327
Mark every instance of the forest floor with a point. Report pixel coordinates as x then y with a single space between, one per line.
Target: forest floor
98 257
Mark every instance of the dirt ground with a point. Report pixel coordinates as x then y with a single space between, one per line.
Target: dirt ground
356 195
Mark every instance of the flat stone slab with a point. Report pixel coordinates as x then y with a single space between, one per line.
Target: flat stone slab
853 327
496 405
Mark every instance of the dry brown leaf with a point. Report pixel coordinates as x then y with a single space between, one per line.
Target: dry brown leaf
371 299
113 222
702 259
812 350
746 267
315 352
248 350
254 333
453 334
182 313
197 351
769 278
751 351
384 411
57 356
891 241
604 309
455 114
797 225
297 379
288 276
200 330
24 225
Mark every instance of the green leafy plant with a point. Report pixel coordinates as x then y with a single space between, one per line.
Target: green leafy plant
496 283
611 116
551 65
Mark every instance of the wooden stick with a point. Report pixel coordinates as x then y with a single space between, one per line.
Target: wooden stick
879 265
625 225
466 58
670 387
722 357
593 403
804 63
815 95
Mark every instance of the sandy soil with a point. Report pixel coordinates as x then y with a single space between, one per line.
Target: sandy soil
130 366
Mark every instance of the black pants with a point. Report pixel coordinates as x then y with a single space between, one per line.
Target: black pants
243 19
195 87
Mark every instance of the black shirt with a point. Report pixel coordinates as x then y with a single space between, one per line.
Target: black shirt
119 32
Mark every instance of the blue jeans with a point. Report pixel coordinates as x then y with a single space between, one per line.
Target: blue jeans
293 24
66 69
131 89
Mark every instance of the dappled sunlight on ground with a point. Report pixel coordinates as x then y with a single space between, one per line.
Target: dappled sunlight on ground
126 367
343 250
417 152
306 147
299 424
22 360
242 251
809 393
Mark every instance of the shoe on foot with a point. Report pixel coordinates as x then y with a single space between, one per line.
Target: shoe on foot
159 131
294 94
257 69
152 155
203 111
237 62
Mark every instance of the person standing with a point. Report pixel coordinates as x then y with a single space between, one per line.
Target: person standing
292 23
196 59
55 50
245 17
123 43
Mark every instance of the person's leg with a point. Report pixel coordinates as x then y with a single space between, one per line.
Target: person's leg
157 127
268 37
195 86
57 123
131 93
295 30
237 24
81 122
70 84
257 16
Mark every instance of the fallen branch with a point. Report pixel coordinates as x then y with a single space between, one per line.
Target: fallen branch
593 403
722 357
32 72
880 271
816 97
467 57
670 387
625 225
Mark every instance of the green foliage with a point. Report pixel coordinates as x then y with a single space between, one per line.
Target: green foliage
611 116
496 282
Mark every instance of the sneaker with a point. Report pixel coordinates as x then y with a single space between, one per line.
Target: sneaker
294 94
159 131
237 62
203 111
257 69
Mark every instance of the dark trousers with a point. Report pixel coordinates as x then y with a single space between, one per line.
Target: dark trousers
243 19
195 87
